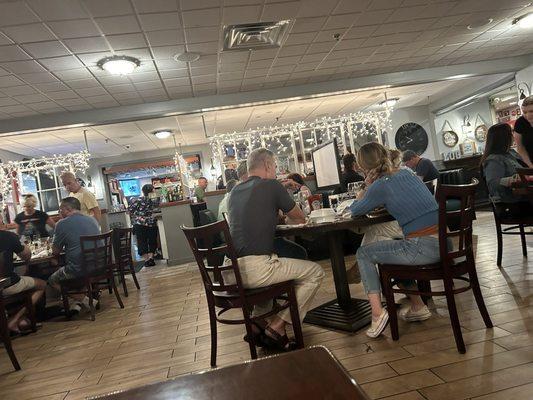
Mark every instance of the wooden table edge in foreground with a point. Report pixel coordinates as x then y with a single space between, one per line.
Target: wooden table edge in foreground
312 374
343 313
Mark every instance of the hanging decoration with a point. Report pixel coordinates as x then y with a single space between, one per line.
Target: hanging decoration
10 171
293 141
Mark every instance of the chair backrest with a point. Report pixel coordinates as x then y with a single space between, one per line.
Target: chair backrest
526 181
431 185
122 246
202 241
195 210
206 217
96 253
462 226
452 177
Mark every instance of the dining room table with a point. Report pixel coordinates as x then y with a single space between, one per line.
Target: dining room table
312 374
343 312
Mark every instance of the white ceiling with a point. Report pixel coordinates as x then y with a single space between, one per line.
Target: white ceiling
108 140
49 48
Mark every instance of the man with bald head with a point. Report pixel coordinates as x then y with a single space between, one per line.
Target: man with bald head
89 205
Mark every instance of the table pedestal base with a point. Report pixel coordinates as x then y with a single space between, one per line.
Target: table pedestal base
331 315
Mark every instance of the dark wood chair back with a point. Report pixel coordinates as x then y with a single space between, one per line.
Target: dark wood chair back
195 210
122 246
526 182
96 253
462 230
204 242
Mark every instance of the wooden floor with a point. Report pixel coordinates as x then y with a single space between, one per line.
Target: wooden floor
163 332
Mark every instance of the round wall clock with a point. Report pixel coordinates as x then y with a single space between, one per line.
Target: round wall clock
411 136
450 138
481 133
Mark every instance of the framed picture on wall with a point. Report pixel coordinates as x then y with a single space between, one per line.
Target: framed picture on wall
468 147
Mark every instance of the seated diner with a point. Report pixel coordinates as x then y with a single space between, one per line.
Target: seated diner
32 222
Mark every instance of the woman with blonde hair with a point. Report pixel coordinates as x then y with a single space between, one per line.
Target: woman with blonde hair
395 157
407 199
32 222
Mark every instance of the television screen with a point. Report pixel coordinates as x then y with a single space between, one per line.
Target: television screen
327 166
130 187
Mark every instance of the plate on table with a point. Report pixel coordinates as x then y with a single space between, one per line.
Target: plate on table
289 226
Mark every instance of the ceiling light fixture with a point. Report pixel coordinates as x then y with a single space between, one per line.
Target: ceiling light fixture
164 134
389 102
187 57
525 21
119 65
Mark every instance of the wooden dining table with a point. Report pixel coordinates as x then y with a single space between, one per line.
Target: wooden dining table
344 312
310 374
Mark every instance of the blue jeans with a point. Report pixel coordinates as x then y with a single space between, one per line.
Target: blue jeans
415 251
284 248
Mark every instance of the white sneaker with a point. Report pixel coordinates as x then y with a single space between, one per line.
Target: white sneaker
85 303
74 308
407 314
378 326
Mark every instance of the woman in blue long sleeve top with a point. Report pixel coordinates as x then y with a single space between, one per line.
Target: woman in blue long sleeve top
409 201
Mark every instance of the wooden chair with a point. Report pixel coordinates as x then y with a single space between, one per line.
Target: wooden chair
123 257
454 264
526 179
22 299
228 293
97 270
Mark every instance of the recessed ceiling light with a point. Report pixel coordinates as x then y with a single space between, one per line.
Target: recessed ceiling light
162 134
479 23
389 102
525 21
187 57
119 65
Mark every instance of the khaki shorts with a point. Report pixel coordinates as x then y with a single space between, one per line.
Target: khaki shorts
25 283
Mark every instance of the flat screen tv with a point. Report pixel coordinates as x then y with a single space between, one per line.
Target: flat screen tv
130 187
326 162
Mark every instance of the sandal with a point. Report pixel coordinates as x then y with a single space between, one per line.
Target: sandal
275 341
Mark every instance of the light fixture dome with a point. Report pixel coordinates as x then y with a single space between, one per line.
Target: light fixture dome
525 21
119 65
389 102
163 134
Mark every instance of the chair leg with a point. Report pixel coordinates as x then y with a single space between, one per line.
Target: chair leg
91 303
499 237
454 317
65 302
295 318
474 283
523 239
30 309
213 326
134 275
4 332
249 332
391 305
114 287
124 285
109 284
425 286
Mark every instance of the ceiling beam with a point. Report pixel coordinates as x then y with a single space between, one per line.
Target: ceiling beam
266 96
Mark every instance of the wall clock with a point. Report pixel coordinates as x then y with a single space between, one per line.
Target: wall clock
481 133
450 138
411 136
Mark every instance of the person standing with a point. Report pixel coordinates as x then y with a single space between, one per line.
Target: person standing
32 222
523 132
145 225
89 205
199 190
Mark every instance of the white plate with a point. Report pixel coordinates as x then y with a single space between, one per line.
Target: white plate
290 226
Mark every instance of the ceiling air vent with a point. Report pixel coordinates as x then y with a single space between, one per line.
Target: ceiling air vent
260 35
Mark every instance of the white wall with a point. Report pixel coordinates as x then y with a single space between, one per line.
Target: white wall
479 111
421 116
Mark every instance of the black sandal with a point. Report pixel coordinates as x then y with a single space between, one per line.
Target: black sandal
257 338
275 341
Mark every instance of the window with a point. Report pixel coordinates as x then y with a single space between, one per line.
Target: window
45 185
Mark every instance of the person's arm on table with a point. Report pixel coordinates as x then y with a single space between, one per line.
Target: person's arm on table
25 253
522 150
296 216
373 198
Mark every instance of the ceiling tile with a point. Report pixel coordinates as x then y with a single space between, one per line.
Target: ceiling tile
61 63
12 53
53 10
74 29
165 38
143 6
316 8
39 77
158 22
87 45
28 33
280 11
73 74
23 67
15 13
199 35
203 48
67 94
46 49
83 83
144 76
117 25
31 98
174 73
51 87
9 80
106 8
240 14
19 90
198 18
